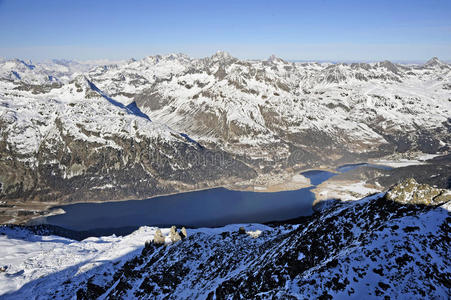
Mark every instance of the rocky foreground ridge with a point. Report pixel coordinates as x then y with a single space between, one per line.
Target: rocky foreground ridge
388 245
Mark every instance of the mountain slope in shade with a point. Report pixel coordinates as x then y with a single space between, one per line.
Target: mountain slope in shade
371 248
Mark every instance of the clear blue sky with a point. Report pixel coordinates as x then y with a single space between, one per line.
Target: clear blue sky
305 30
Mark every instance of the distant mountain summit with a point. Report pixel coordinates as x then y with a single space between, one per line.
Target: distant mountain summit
435 62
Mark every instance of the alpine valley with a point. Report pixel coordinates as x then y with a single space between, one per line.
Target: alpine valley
377 133
76 132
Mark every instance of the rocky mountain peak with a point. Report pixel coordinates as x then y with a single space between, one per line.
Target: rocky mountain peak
83 84
410 191
152 59
168 59
389 66
433 62
221 54
274 59
364 66
81 80
222 57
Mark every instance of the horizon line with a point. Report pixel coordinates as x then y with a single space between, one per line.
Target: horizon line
300 60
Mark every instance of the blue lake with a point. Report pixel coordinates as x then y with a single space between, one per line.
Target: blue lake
317 176
207 208
349 167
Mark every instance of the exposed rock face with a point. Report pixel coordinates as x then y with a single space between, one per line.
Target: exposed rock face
410 192
183 233
158 238
174 235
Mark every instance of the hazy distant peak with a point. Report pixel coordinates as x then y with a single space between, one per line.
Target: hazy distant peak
274 59
174 56
433 62
389 66
222 56
62 61
166 58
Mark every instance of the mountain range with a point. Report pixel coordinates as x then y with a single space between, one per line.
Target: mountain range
76 132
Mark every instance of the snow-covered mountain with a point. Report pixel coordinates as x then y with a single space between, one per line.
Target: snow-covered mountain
55 70
169 123
393 244
275 106
71 141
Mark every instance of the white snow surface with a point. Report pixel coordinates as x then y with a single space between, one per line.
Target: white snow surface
39 264
353 103
352 100
32 119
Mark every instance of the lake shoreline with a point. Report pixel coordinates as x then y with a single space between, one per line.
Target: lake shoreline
287 181
203 208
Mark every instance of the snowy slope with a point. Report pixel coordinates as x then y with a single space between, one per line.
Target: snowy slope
47 262
241 104
56 70
74 140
